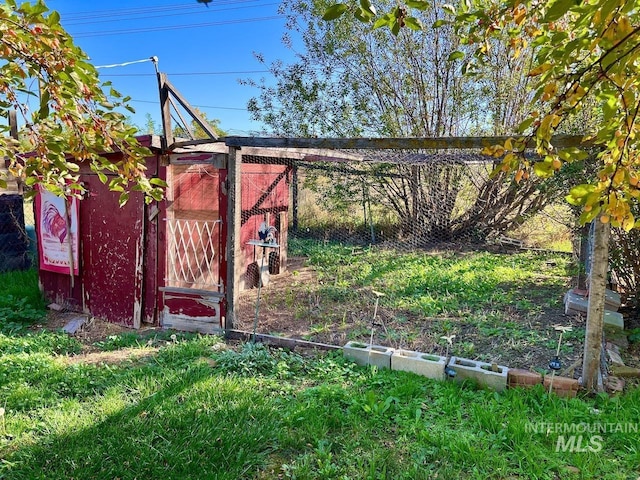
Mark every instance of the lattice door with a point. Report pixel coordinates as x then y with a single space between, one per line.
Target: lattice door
193 257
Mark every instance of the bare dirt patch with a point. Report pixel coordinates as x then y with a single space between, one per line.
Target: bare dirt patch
291 306
111 358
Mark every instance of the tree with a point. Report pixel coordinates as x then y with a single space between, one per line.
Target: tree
67 117
350 81
586 55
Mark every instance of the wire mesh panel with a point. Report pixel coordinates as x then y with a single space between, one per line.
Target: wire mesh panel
14 253
415 199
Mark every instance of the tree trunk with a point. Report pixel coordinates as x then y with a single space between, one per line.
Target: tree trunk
595 314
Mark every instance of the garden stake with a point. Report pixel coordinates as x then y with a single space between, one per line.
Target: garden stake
373 320
555 364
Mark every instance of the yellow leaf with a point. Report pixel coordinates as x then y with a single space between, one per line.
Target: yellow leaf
540 69
618 178
508 144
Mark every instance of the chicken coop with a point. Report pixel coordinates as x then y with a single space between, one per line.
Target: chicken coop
166 263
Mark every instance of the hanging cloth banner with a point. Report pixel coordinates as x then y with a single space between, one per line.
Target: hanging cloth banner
57 221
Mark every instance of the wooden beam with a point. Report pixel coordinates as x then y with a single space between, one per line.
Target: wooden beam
434 143
13 124
165 110
290 343
198 119
186 124
234 248
595 313
188 143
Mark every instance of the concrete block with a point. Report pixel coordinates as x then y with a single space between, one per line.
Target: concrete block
574 303
614 384
427 365
74 325
364 354
613 299
614 319
613 352
625 371
487 375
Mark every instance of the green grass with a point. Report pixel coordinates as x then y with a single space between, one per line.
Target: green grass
21 303
194 410
433 284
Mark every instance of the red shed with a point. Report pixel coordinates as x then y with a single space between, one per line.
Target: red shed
164 263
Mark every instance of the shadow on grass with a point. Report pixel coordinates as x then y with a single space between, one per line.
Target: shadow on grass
197 425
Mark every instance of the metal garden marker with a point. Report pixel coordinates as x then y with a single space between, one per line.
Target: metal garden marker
373 320
555 364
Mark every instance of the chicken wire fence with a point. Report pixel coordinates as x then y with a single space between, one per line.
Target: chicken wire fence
15 241
410 199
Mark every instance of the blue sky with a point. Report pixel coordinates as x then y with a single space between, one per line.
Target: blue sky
204 50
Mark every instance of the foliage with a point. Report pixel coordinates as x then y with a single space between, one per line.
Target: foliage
184 418
596 66
350 83
21 303
67 116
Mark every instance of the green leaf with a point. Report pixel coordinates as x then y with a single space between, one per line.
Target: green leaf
543 169
557 10
417 4
413 23
382 21
439 23
457 55
102 177
366 6
124 198
572 154
580 191
395 28
53 18
335 11
587 217
157 181
363 15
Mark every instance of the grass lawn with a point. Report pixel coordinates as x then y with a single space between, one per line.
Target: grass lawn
189 407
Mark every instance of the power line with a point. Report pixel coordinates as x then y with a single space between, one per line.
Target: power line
198 106
186 74
175 27
146 17
123 12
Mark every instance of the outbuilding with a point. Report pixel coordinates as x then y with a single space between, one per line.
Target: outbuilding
165 263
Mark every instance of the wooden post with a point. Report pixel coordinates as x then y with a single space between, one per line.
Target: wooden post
282 225
165 109
583 254
234 248
294 182
595 313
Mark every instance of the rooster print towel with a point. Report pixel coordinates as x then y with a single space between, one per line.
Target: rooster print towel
57 235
